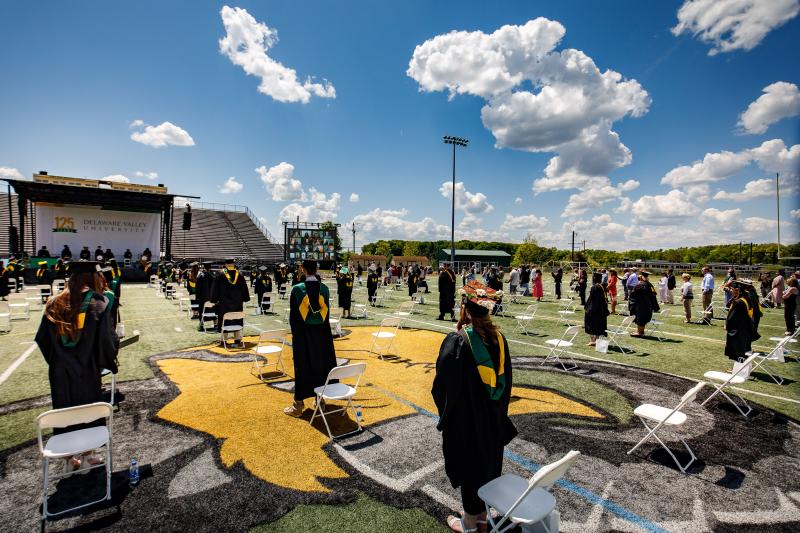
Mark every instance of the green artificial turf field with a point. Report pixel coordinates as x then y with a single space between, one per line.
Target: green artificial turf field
604 385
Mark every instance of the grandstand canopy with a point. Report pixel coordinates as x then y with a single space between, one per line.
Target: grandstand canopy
483 257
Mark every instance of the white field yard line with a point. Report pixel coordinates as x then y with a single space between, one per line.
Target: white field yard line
17 362
451 328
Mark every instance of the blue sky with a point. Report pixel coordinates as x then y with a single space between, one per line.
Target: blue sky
77 75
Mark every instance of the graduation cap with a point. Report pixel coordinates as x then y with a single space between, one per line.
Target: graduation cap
262 268
84 267
208 264
230 261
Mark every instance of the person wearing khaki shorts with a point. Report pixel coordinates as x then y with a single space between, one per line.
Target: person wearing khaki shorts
687 297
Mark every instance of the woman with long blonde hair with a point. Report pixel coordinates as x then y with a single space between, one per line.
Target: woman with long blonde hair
472 389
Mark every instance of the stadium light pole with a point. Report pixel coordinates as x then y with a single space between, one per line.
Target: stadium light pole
455 141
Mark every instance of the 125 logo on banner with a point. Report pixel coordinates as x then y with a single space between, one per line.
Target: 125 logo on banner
64 225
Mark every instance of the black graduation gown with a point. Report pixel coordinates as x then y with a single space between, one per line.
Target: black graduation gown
643 302
447 291
85 255
312 342
474 428
228 296
372 286
203 290
75 372
738 330
4 290
263 285
557 276
344 285
412 284
595 321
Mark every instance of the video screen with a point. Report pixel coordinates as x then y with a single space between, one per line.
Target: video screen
314 243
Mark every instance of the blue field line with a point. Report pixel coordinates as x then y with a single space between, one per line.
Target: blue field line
576 489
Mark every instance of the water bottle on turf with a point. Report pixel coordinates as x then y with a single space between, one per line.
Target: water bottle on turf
133 473
359 413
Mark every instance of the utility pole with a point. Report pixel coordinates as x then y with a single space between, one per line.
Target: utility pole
572 253
455 141
354 238
750 261
778 196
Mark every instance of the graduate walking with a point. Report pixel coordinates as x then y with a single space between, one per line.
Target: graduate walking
447 292
344 285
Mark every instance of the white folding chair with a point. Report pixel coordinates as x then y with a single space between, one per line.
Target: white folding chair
45 292
335 319
615 333
226 328
282 292
270 343
383 339
12 284
359 310
184 299
58 286
567 311
153 281
525 320
339 391
33 295
5 317
207 314
380 298
559 348
194 307
520 501
169 290
405 311
654 326
18 305
727 379
398 284
664 416
66 445
106 372
267 306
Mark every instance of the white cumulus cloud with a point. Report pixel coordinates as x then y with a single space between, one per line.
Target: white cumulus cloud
537 99
733 24
780 100
319 209
164 134
472 203
517 200
795 213
11 173
525 222
246 44
231 186
281 184
148 175
594 194
117 178
354 198
662 209
395 224
752 190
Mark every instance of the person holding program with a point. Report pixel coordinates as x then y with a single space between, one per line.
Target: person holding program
472 390
312 341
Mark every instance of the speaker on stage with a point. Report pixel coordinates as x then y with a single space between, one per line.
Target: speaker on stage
187 218
13 240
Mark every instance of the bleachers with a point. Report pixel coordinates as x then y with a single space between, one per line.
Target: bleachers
219 234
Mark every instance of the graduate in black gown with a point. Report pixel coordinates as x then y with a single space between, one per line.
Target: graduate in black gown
472 389
44 276
372 284
558 276
595 321
60 270
229 292
754 303
643 302
412 282
738 325
4 275
263 285
191 279
203 285
312 342
447 292
344 286
77 339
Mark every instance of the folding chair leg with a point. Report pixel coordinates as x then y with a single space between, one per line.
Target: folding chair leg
46 482
763 366
675 459
720 391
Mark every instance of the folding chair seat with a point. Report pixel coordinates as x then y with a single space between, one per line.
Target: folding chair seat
282 291
664 416
169 290
615 333
723 380
270 344
513 501
207 314
525 320
383 339
339 391
654 326
226 328
335 319
65 445
559 348
5 317
405 311
184 299
18 305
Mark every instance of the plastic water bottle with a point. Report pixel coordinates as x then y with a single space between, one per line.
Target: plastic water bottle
359 413
133 473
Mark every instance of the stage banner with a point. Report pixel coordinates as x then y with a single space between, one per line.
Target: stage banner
79 225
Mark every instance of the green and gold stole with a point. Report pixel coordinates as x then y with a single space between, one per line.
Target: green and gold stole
65 340
493 380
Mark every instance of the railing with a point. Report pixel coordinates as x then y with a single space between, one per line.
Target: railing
237 209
